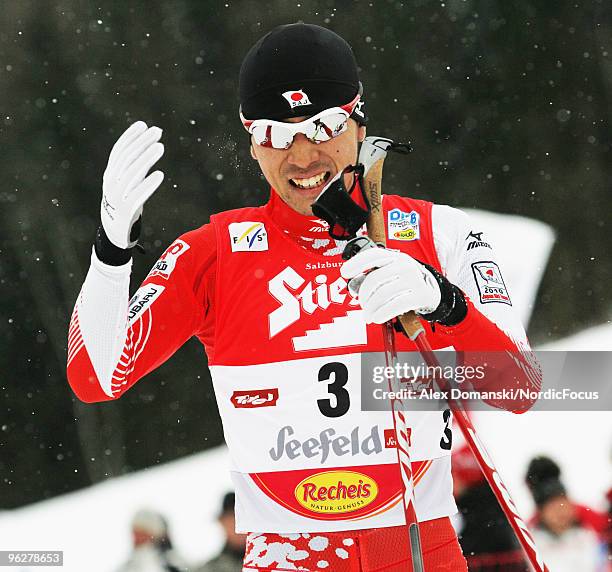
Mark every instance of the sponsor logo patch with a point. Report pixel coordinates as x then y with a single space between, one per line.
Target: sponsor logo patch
491 286
248 236
336 492
143 298
358 107
319 226
476 241
296 98
165 265
402 225
326 443
298 297
391 438
249 399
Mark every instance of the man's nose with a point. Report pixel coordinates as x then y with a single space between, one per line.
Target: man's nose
302 152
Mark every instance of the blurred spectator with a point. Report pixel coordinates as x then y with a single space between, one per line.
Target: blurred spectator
153 550
231 557
487 540
564 532
607 535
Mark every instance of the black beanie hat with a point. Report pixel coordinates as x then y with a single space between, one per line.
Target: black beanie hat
543 480
298 70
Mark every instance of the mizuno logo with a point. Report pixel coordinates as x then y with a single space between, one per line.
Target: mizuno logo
478 242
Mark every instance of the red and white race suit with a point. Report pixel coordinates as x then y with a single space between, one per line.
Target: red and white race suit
261 289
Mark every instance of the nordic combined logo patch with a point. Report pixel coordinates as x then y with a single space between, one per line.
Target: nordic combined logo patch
248 236
491 286
402 225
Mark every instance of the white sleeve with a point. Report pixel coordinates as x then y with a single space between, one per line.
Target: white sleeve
102 309
468 260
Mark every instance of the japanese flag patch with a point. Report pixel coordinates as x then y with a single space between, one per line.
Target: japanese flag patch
248 236
296 98
490 283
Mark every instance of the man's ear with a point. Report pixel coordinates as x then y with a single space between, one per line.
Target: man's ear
361 133
252 149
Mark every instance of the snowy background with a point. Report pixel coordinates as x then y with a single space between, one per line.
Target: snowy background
508 106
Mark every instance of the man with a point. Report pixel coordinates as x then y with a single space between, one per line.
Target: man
231 557
265 290
153 550
485 534
565 531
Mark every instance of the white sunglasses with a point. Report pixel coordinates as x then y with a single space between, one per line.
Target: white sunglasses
319 128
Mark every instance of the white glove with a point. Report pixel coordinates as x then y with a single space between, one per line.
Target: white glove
125 188
389 283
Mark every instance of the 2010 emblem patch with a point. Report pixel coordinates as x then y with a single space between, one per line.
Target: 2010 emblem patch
402 225
490 283
248 236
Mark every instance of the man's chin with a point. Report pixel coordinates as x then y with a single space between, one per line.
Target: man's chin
300 200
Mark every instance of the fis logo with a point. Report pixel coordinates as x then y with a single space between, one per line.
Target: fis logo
296 98
248 236
402 225
491 286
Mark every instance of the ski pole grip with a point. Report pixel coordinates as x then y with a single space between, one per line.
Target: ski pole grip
375 224
376 231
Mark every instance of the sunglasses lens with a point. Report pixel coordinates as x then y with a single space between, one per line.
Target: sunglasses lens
274 136
261 135
281 137
330 126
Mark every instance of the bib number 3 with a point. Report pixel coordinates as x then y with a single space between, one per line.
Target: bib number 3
447 434
341 402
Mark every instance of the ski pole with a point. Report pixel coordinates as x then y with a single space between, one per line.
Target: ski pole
415 331
376 233
484 461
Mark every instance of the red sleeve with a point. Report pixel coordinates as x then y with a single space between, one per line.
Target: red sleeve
593 519
506 363
491 335
172 304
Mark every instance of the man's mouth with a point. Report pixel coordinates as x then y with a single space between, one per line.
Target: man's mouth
311 182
